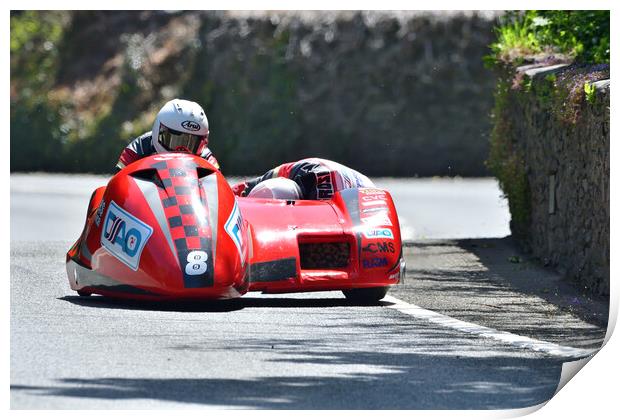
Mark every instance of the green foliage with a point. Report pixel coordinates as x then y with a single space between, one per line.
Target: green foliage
35 36
514 39
580 34
506 161
590 92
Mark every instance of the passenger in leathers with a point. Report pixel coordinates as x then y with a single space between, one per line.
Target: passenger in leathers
317 178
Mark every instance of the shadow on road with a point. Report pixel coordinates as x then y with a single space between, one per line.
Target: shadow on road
184 306
215 305
400 381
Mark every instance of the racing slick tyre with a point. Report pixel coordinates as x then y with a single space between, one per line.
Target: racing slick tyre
367 295
81 293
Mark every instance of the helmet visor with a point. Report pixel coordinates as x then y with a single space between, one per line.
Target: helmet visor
176 141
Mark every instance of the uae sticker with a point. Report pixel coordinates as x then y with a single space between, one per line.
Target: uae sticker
124 235
233 228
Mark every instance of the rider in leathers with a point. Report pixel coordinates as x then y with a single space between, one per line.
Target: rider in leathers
180 126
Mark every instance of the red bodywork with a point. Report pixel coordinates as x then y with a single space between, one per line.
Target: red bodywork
169 227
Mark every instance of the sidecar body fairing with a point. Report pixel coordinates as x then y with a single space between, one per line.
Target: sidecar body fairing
169 227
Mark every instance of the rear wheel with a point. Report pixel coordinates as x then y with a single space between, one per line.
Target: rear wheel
367 295
81 293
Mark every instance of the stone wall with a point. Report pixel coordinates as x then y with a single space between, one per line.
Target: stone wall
561 134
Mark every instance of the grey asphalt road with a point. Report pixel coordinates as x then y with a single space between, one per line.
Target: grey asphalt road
261 351
280 351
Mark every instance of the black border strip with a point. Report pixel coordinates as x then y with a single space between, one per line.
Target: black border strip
277 270
123 288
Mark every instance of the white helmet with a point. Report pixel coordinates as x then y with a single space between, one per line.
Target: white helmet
180 126
277 188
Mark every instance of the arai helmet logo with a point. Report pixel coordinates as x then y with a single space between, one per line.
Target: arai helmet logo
190 125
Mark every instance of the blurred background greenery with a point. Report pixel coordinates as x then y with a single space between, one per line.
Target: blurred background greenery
401 94
388 93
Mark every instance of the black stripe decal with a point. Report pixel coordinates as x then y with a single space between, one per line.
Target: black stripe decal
209 185
197 266
277 270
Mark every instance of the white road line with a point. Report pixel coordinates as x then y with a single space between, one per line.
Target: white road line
503 336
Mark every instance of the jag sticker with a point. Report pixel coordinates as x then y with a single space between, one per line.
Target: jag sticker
124 235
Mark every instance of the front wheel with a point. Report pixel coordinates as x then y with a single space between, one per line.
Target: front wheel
366 295
81 293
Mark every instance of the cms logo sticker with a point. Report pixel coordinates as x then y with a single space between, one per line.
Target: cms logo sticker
379 233
382 247
124 235
233 227
190 125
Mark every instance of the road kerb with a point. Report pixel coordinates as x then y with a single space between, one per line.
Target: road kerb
503 336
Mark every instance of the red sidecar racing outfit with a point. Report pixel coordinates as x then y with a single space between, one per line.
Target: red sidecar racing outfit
317 178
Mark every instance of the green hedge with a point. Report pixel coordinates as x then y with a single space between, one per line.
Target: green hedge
581 35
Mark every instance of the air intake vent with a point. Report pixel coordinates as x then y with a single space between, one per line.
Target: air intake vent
324 255
202 172
149 175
